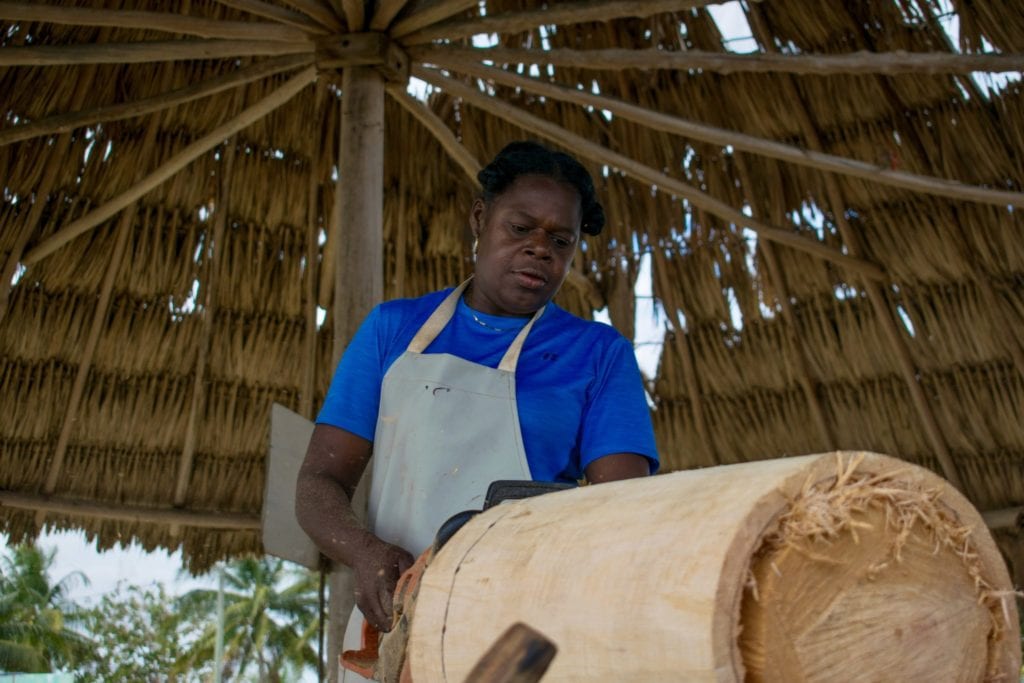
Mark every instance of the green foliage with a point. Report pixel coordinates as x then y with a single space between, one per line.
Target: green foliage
37 616
138 637
270 620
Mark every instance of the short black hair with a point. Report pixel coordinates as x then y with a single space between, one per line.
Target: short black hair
526 157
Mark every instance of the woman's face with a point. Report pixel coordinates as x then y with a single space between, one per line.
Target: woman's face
527 237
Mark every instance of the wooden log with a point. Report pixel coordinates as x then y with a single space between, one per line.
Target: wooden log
887 573
152 21
619 59
151 51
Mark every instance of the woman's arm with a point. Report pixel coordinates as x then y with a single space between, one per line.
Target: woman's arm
334 463
617 466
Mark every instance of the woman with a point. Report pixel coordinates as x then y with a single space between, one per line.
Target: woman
488 381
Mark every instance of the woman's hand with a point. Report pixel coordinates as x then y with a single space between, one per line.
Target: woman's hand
377 570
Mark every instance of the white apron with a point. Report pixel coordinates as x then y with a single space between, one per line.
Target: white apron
446 429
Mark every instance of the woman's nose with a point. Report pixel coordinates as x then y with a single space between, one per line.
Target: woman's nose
537 244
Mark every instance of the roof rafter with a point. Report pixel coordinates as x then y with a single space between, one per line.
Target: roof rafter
561 13
811 158
599 154
277 13
62 123
876 295
431 15
166 22
152 51
172 166
320 12
618 59
444 135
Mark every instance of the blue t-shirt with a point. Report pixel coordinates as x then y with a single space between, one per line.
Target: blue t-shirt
578 388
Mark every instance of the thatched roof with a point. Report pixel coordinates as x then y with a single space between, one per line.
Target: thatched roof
832 225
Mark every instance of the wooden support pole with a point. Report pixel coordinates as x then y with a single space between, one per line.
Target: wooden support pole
748 143
430 15
213 249
172 166
358 275
619 59
277 13
876 295
99 320
555 13
601 155
444 135
153 51
129 513
63 123
168 22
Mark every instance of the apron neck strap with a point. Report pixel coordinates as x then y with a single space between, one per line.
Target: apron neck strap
443 314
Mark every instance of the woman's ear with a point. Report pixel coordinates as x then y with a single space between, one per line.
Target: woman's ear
476 217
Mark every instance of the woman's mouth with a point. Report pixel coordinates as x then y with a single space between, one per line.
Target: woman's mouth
530 279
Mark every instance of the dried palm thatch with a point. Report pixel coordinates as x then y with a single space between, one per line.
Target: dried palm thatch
831 224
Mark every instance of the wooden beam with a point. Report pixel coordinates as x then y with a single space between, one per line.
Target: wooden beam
599 154
208 285
63 123
810 158
444 135
277 13
355 14
386 12
619 59
130 513
371 48
320 12
154 51
173 165
167 22
422 17
99 322
556 13
879 303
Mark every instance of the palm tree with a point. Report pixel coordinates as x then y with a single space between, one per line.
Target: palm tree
35 635
270 620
